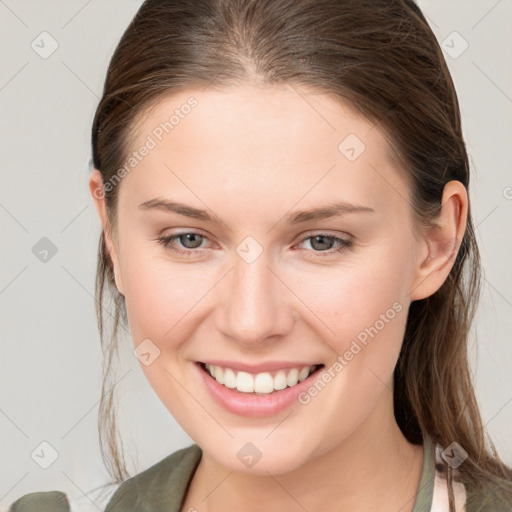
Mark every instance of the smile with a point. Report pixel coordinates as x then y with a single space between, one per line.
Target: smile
260 383
252 393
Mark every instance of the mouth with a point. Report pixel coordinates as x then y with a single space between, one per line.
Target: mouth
259 384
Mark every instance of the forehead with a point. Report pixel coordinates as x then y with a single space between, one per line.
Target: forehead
254 114
249 140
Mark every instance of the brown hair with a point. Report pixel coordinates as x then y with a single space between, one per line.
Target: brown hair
382 57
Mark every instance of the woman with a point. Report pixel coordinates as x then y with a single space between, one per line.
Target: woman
283 191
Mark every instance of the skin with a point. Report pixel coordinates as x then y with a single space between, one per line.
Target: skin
253 155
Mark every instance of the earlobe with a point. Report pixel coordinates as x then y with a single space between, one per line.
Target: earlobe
442 242
98 196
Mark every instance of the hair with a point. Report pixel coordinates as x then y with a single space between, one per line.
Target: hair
381 57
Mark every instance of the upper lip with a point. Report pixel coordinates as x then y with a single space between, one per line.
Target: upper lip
268 366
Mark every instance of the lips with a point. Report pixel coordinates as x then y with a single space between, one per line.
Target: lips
250 404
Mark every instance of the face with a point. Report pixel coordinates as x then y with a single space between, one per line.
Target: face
255 282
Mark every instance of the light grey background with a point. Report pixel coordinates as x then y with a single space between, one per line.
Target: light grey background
50 354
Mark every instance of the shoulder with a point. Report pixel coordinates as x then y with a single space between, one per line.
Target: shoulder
160 487
468 497
496 497
52 501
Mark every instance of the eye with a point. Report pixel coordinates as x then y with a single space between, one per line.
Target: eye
188 240
323 243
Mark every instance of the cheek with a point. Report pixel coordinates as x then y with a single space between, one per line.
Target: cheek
351 299
162 302
161 297
366 307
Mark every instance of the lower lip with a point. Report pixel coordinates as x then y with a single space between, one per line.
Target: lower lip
252 405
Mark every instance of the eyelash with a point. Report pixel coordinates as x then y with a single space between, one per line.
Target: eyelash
344 244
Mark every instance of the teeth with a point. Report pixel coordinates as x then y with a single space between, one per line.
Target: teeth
229 378
293 377
280 380
304 372
219 375
244 381
263 383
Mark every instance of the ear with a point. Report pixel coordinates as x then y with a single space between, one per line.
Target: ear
98 196
441 242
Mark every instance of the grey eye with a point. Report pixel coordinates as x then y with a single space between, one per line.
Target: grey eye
190 240
321 242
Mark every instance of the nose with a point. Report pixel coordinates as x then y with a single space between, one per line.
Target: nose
256 305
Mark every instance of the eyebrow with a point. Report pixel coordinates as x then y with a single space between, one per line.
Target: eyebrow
331 210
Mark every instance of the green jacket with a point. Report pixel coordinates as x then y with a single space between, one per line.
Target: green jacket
163 486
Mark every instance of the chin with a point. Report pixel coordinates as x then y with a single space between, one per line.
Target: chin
259 457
